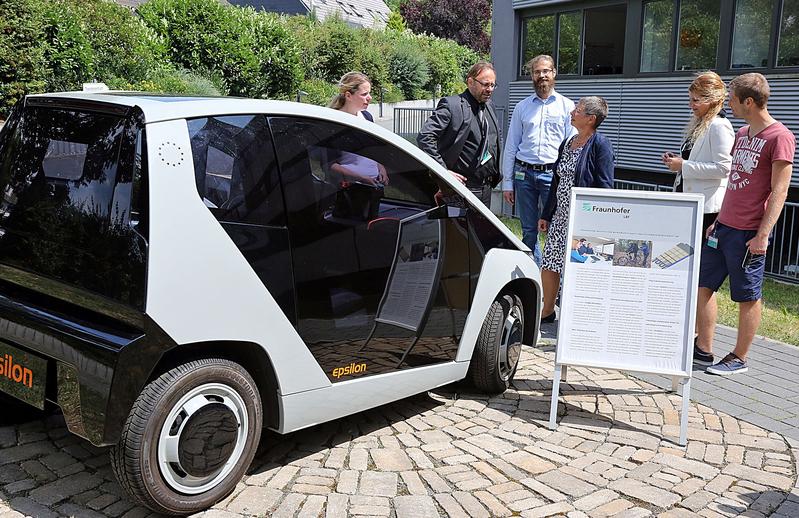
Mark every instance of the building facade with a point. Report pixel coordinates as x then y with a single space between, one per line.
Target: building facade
641 55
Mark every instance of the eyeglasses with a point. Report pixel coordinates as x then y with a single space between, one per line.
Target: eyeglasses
485 85
544 72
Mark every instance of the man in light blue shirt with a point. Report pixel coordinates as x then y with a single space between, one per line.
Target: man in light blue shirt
538 125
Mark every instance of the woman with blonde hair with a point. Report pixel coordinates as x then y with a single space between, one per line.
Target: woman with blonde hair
704 161
354 95
361 179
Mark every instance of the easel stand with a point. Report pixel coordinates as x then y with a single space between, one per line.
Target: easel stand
560 374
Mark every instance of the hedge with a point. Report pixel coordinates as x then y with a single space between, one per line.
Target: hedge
207 47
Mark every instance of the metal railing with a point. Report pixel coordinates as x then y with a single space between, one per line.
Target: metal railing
782 260
408 121
641 186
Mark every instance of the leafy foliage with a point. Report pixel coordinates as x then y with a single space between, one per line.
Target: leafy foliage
252 50
23 68
408 68
208 47
465 21
95 39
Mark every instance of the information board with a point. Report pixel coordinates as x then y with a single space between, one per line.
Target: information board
630 283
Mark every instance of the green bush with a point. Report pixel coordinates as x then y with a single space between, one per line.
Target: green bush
391 94
253 51
97 39
318 91
442 61
171 81
407 69
23 68
335 50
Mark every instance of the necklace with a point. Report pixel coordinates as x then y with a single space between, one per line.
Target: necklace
579 142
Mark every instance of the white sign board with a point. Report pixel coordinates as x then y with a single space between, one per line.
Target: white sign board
630 281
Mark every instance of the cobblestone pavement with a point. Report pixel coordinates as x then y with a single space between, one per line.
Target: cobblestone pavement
449 453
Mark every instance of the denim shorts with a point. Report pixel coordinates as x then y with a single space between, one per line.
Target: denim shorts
746 280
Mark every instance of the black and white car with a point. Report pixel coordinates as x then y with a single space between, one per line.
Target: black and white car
177 273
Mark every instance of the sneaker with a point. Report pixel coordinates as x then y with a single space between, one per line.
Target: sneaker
730 364
701 357
548 319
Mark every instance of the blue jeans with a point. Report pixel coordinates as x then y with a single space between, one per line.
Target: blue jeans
531 195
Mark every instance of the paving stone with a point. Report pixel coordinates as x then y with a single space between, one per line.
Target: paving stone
548 510
492 503
255 500
312 508
415 507
758 476
62 489
378 484
639 490
529 462
595 499
693 467
391 460
336 506
450 506
566 483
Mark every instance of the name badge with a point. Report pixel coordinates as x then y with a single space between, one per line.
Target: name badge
713 242
519 175
486 157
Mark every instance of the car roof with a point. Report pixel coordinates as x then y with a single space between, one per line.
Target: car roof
161 107
164 107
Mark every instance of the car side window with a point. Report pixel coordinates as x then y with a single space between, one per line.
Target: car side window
65 179
333 171
235 170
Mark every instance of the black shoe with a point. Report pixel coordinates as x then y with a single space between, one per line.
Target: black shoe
551 318
701 357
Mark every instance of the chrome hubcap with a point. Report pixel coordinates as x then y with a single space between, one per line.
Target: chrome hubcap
510 346
202 438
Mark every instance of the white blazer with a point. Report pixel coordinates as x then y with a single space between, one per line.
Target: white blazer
708 165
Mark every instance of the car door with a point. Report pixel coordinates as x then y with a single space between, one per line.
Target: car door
381 267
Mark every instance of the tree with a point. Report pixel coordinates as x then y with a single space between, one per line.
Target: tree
23 68
465 21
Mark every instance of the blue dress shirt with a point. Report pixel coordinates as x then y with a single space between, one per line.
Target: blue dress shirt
537 127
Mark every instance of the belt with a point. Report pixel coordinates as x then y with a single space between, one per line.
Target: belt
536 167
478 184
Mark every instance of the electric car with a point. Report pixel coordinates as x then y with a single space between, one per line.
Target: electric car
177 273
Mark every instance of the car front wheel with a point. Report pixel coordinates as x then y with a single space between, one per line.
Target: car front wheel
190 437
499 345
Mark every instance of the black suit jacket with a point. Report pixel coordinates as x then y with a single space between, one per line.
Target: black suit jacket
444 133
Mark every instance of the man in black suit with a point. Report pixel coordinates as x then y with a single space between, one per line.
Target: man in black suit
462 134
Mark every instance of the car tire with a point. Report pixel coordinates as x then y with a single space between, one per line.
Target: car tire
499 344
190 437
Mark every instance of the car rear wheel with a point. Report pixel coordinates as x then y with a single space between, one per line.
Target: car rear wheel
190 437
499 345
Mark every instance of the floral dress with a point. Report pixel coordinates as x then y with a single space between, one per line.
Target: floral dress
555 247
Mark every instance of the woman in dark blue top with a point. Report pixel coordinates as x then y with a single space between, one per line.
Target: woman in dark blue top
584 160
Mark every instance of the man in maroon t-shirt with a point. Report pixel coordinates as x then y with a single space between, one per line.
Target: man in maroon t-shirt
762 160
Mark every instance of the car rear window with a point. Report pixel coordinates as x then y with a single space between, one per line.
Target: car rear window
66 180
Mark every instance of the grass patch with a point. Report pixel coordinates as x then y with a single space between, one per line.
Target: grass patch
780 311
780 304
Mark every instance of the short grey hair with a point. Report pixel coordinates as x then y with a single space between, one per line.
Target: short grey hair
596 106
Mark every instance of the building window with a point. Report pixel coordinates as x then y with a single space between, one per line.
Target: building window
538 38
788 54
658 28
604 40
698 34
750 42
571 25
598 32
